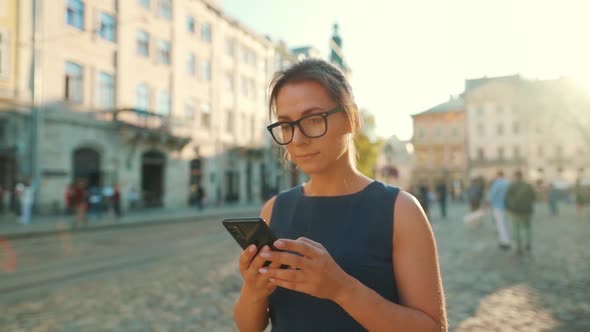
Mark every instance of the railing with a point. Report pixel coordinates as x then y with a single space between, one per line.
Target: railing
152 121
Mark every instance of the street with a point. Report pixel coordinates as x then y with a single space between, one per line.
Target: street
183 277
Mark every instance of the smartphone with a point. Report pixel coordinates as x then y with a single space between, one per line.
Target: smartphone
248 231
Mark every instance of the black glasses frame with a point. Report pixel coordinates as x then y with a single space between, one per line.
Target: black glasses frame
297 123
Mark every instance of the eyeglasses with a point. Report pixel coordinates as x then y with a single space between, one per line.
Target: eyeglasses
312 126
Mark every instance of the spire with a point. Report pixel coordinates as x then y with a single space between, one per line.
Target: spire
336 55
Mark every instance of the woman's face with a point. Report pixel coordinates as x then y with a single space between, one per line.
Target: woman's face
313 155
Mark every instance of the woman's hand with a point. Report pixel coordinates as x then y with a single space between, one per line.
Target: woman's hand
256 284
314 272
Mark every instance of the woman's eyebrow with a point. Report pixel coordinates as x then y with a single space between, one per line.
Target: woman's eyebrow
304 113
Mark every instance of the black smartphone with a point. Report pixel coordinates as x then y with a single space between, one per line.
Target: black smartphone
247 231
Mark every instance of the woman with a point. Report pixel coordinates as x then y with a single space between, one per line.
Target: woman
362 254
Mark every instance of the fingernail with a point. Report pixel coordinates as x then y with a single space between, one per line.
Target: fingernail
279 243
265 254
262 270
252 249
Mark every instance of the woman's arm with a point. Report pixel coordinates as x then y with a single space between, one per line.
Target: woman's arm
251 308
417 278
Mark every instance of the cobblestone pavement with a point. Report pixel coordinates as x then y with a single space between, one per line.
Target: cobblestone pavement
183 277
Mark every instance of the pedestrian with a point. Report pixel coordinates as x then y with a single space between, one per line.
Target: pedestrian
424 198
26 196
116 201
475 193
337 228
519 200
69 199
579 197
2 206
441 191
200 197
496 197
552 199
80 203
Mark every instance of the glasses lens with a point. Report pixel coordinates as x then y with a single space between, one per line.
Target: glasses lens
314 126
282 134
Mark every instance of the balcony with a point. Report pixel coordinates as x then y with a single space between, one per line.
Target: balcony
517 161
137 125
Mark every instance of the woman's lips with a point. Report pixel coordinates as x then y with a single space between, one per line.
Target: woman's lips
307 155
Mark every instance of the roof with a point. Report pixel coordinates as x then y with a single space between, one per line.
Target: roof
471 84
454 104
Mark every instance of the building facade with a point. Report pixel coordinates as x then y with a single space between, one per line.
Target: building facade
534 126
161 97
395 163
439 143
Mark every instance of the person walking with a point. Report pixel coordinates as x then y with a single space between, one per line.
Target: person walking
520 199
496 197
579 198
441 191
26 194
340 232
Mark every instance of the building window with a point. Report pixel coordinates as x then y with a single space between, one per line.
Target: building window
500 129
190 24
253 59
480 129
106 91
559 151
516 152
229 82
143 43
206 115
164 52
515 128
74 82
142 97
480 154
163 103
4 54
254 127
501 153
252 89
189 108
244 87
165 9
499 108
75 14
540 151
245 126
420 132
480 110
229 47
438 132
144 3
230 121
206 33
191 64
245 54
206 71
455 132
107 27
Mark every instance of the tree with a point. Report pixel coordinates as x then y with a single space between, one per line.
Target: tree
367 145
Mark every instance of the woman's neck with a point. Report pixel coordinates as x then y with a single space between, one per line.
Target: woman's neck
342 180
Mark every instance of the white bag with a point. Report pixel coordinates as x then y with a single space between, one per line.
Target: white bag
474 218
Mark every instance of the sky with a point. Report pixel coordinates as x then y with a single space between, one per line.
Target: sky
408 56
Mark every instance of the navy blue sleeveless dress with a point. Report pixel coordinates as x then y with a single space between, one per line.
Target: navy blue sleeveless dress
357 231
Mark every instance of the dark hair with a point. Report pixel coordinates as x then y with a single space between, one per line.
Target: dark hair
326 74
518 175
